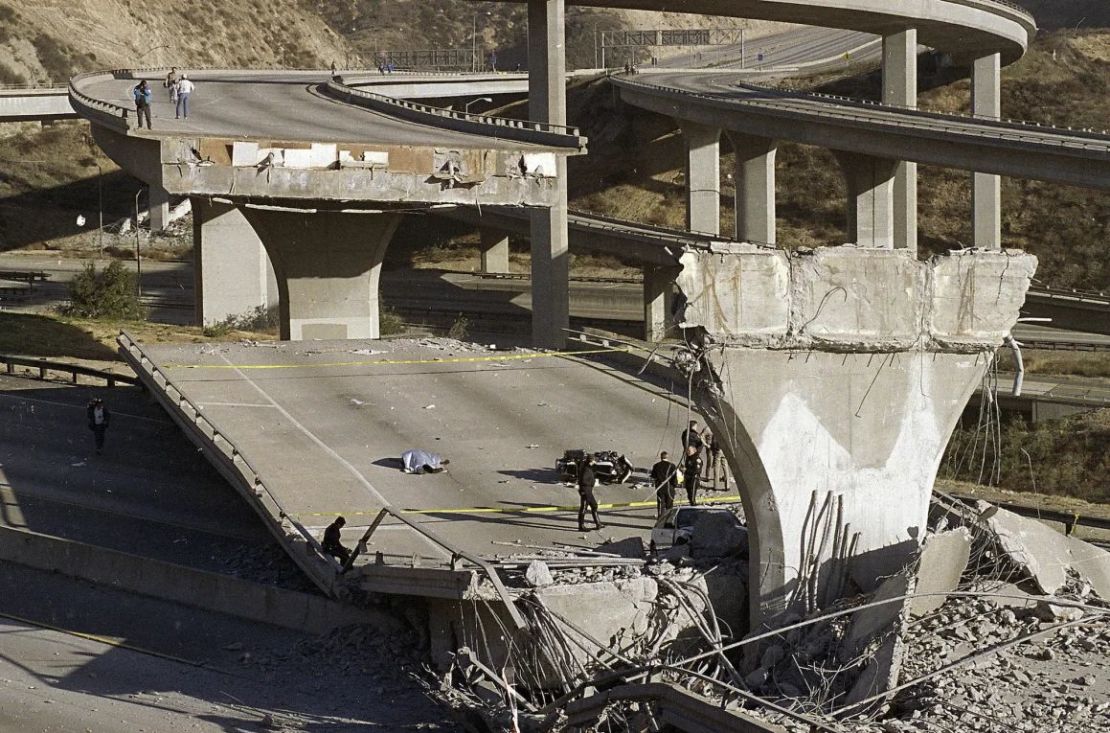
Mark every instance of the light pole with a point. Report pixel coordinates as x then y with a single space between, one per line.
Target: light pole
138 258
466 107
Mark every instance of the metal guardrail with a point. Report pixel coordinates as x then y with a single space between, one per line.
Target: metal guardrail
1070 520
540 133
45 367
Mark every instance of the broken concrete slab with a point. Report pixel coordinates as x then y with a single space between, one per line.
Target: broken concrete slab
942 561
1046 555
538 574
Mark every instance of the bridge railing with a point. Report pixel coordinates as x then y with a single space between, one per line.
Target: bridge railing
44 367
117 114
990 128
537 133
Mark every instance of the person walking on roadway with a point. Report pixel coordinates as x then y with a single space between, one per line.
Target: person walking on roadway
99 417
691 473
587 479
143 96
184 89
663 474
333 544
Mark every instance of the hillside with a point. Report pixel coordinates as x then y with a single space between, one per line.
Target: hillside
1054 14
50 40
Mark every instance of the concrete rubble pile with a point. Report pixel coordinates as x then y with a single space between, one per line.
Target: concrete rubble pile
998 624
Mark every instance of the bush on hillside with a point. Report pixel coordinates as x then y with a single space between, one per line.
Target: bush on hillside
109 293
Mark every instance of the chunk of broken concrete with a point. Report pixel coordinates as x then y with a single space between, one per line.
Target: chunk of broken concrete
538 574
942 561
1045 554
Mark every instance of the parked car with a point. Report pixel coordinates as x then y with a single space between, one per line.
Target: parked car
610 467
676 527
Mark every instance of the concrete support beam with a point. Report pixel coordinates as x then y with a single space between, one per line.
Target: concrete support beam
547 102
703 177
495 251
327 267
754 178
658 302
986 197
232 272
870 199
900 89
158 208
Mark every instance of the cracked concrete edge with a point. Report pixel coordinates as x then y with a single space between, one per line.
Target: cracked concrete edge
850 298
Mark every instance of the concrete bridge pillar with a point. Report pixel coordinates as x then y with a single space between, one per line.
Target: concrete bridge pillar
900 89
754 178
835 378
986 197
327 267
495 251
703 177
870 198
158 208
547 102
658 301
232 272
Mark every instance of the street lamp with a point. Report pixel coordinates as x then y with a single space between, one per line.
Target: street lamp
466 107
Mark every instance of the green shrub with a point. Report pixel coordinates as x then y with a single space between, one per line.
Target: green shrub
109 293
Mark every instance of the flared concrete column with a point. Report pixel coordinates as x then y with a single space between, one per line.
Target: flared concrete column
327 267
754 178
986 196
232 272
834 378
870 198
158 208
547 102
658 299
900 89
703 177
495 251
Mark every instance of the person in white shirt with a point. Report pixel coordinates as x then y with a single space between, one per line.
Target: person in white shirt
184 88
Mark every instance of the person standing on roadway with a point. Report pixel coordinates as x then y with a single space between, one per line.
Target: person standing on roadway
333 544
143 97
663 474
691 473
171 84
99 417
184 89
587 479
691 437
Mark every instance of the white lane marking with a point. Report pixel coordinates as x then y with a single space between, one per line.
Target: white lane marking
327 448
53 403
232 404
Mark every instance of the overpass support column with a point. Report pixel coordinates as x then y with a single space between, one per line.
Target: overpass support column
658 299
495 251
834 378
986 197
158 208
900 89
232 273
703 177
327 267
754 177
549 236
870 198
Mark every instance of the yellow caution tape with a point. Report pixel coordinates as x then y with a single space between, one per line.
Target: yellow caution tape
392 362
521 510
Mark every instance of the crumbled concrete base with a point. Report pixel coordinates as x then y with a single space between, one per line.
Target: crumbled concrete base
943 560
1045 554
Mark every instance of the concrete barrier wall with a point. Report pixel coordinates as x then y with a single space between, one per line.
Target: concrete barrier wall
189 586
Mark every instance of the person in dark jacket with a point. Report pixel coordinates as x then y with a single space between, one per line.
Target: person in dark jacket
99 417
691 436
333 544
663 474
691 473
586 480
143 97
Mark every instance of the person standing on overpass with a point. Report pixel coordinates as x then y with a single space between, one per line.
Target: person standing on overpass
663 474
184 89
587 479
691 473
99 417
171 84
143 97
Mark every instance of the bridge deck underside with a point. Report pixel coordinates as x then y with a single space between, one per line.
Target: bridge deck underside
326 426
